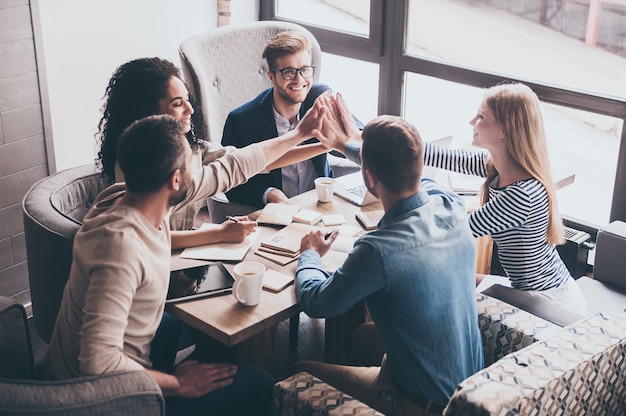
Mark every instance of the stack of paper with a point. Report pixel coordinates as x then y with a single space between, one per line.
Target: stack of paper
283 247
307 216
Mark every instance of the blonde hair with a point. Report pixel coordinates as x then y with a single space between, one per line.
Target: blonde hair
516 108
283 44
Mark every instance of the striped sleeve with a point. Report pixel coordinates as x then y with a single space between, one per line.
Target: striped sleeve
507 210
456 160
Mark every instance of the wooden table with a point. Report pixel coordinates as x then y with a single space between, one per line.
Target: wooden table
248 335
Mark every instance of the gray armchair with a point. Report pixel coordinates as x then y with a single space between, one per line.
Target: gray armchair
128 393
606 291
223 68
53 211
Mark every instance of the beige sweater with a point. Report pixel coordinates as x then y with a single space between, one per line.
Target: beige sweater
183 218
115 295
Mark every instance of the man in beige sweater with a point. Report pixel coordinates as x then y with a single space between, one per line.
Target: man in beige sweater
115 295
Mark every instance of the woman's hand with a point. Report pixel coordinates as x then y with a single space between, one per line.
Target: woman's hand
338 126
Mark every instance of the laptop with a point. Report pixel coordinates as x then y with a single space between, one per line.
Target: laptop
352 188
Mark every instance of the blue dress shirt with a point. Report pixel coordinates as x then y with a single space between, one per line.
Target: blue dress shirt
417 275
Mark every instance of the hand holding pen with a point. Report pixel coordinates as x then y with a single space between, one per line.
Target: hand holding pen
319 241
236 229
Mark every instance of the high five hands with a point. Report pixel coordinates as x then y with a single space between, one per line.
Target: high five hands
337 124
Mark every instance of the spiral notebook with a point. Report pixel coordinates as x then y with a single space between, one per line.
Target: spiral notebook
277 215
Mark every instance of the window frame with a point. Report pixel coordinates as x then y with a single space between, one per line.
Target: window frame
386 47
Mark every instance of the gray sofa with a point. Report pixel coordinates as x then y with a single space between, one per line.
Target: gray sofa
532 367
53 211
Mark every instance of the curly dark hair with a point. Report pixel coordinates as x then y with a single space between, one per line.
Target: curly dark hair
133 93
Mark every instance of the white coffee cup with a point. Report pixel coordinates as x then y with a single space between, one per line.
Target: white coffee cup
248 282
324 187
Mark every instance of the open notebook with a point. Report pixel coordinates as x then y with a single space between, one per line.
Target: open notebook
221 251
283 246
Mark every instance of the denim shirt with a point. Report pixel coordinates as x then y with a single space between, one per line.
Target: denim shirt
417 275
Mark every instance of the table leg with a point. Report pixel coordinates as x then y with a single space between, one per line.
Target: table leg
260 349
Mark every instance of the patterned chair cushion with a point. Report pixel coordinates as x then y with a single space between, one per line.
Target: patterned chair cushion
506 328
580 370
304 395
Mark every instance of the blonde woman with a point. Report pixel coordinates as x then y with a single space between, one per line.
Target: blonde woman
518 203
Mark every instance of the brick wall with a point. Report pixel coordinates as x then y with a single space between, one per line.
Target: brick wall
23 155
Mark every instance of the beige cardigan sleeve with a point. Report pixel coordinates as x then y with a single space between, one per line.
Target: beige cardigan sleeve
230 170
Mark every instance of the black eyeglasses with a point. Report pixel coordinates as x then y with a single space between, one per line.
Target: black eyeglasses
291 73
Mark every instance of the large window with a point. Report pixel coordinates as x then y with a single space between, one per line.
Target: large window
429 60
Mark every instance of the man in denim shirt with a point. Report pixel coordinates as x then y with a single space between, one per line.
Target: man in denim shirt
417 274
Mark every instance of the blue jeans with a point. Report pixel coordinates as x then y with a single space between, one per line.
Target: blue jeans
249 394
165 343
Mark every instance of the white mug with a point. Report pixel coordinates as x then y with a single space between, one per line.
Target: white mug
248 282
324 187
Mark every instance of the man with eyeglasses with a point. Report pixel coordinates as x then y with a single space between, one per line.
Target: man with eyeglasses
274 112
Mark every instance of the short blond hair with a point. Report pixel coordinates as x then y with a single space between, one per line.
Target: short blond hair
283 44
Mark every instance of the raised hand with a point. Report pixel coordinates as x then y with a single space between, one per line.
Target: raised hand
338 124
345 116
312 120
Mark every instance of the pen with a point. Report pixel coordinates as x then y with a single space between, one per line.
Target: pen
327 236
231 218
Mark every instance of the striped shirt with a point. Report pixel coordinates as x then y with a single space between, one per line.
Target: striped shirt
516 217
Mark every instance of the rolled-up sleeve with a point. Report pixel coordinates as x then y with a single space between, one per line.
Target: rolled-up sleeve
323 296
353 151
228 171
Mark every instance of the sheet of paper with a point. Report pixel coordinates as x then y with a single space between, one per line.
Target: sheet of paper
221 251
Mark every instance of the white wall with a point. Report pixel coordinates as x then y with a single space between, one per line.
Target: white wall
85 41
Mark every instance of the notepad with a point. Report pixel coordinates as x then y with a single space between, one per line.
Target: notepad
333 219
221 251
279 252
275 281
307 216
286 243
288 238
278 259
277 215
369 219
